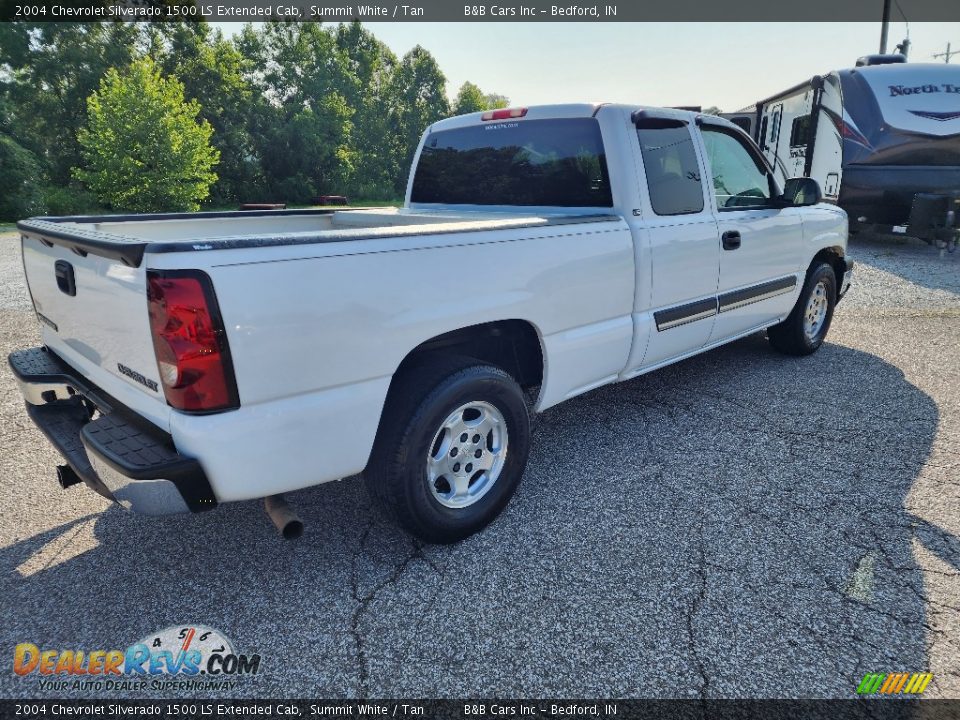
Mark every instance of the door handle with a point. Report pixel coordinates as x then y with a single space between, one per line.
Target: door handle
730 239
66 280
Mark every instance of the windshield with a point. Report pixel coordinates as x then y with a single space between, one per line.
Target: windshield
556 162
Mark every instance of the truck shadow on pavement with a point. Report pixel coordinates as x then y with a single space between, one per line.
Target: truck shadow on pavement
731 526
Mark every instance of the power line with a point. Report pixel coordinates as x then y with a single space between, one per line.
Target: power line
948 54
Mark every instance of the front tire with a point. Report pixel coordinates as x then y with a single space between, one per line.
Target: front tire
805 328
451 448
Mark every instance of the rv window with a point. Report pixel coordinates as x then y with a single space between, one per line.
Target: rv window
670 164
740 180
800 131
763 133
775 126
742 123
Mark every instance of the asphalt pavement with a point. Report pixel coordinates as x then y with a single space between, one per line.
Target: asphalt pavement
740 524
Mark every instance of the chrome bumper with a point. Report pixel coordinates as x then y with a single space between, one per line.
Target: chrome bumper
147 497
117 454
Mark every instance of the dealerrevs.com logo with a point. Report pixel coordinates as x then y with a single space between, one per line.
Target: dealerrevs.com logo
191 657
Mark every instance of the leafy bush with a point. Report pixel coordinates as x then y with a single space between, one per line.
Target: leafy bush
20 181
372 190
71 200
143 147
297 190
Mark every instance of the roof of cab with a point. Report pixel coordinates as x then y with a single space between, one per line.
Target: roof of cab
575 110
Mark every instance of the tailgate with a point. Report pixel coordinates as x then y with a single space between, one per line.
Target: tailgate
93 313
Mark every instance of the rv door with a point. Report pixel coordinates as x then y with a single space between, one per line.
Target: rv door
771 139
770 134
825 165
776 115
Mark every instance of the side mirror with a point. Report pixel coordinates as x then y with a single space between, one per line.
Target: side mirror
802 191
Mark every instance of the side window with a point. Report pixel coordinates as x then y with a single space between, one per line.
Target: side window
775 127
670 164
739 178
800 131
742 123
763 133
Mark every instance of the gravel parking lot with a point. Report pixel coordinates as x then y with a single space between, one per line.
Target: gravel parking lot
738 525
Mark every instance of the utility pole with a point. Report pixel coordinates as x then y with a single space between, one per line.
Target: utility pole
948 54
884 27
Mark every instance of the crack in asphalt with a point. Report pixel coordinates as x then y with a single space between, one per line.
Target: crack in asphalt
694 607
363 600
872 523
358 640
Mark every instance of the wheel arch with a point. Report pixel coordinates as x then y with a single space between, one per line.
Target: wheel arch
835 257
515 346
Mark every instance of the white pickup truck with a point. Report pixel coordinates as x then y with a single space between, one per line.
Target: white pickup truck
195 359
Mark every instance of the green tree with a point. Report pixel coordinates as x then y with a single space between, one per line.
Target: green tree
300 121
143 147
378 149
211 70
20 181
421 92
470 99
21 178
51 69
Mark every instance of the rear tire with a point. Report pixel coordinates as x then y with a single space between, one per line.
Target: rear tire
805 328
451 448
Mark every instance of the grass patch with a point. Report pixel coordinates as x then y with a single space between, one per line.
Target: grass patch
396 202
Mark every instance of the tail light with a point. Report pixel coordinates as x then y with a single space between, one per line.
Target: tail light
505 114
189 341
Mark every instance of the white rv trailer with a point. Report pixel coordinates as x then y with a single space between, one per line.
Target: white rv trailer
882 139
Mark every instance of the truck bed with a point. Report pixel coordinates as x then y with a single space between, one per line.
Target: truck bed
127 237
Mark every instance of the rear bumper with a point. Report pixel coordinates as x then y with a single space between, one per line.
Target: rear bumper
116 453
882 195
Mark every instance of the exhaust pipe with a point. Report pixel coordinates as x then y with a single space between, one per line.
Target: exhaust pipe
67 476
283 516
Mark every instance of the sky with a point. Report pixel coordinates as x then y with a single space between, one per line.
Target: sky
727 65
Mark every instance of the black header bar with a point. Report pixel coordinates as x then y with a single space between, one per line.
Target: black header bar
466 709
464 11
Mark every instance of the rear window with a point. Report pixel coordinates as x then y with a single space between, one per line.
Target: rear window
556 162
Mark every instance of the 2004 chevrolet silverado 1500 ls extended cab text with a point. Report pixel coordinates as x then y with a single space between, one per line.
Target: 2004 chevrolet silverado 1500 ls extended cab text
194 359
